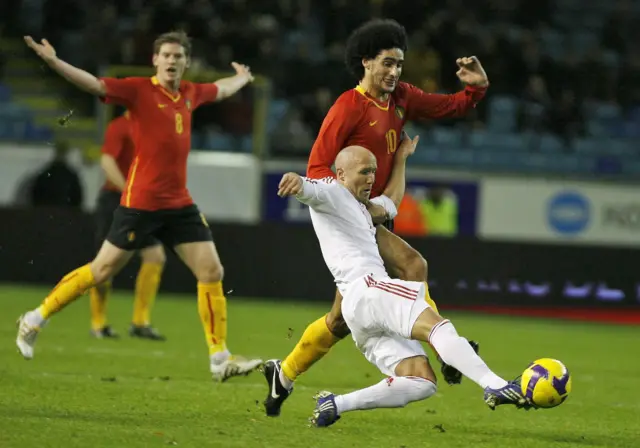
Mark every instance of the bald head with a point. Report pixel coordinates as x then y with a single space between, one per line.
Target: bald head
356 169
351 156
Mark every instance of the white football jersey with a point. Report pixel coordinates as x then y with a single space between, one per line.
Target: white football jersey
344 229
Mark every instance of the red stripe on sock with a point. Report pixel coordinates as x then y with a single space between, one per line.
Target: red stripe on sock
212 324
66 279
422 379
435 327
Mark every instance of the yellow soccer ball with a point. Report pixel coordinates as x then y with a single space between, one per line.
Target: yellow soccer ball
546 383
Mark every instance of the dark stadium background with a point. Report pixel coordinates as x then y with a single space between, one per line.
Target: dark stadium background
565 80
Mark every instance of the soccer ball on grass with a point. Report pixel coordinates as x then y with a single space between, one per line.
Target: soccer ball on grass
546 383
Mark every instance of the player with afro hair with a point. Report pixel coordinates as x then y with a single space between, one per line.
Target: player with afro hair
373 115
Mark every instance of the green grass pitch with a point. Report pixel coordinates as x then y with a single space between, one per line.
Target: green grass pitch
81 392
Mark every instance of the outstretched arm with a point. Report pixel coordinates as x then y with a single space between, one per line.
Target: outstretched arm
229 86
312 192
422 105
224 87
78 77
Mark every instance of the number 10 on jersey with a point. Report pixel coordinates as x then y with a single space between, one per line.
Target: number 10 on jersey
392 141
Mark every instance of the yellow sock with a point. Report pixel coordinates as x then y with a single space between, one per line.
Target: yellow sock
98 300
72 286
432 304
147 284
212 307
428 298
315 342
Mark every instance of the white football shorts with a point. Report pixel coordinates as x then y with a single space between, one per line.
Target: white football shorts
380 313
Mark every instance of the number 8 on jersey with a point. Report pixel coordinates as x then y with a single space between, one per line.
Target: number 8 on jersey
179 125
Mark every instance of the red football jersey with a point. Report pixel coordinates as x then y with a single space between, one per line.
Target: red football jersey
119 145
161 130
356 118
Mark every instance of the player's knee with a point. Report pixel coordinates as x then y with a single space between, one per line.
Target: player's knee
425 323
414 267
210 273
417 366
423 388
337 325
154 255
103 271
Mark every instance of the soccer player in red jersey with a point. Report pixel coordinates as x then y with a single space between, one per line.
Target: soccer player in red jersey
117 156
372 115
155 201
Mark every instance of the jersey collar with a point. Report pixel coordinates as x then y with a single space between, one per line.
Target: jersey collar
378 104
156 82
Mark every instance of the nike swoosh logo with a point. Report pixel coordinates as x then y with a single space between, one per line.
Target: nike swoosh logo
274 395
373 123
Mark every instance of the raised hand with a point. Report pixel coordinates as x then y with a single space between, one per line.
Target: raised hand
43 49
242 70
407 145
471 72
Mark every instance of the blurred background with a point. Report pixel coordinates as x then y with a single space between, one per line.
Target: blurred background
529 202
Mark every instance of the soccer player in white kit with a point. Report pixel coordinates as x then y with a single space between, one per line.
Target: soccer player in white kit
387 317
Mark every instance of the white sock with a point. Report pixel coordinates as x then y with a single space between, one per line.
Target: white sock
219 357
285 381
394 392
456 351
34 318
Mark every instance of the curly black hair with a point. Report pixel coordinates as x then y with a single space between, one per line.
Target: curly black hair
369 39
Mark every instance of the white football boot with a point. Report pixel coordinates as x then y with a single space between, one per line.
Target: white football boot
27 335
224 367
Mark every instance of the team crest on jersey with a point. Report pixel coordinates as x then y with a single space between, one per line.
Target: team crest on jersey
400 112
188 102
